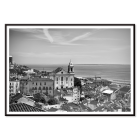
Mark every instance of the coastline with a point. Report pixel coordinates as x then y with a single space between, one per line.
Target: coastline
117 81
113 74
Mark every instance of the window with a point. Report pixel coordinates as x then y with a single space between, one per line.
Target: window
45 83
43 88
61 72
50 88
33 83
61 78
40 83
66 80
39 88
36 83
46 88
57 80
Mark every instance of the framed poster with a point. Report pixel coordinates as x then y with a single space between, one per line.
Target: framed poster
70 69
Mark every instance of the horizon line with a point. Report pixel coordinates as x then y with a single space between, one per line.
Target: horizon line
74 64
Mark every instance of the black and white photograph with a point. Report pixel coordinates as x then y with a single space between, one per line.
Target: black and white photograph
70 69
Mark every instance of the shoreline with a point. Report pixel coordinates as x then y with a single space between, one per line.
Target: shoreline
117 81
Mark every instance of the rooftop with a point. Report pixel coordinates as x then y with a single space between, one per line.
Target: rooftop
125 89
21 107
100 109
52 109
41 79
15 98
62 100
94 102
108 91
57 93
13 71
58 69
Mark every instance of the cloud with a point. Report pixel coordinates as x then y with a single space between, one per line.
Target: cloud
47 34
102 39
28 30
81 37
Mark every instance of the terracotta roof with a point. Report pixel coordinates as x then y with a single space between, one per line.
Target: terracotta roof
100 109
25 78
32 98
13 71
52 109
117 107
73 105
114 89
83 106
21 107
89 109
94 102
125 89
66 108
58 69
62 99
41 79
57 93
85 101
15 98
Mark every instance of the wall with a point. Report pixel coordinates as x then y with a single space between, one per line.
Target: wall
29 85
15 86
57 106
65 84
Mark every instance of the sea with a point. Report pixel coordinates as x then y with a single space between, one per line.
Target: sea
113 72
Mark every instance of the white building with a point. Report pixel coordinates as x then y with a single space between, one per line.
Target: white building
31 71
63 79
74 96
14 87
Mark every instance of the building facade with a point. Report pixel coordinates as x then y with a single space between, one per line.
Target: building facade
37 85
14 87
63 79
73 96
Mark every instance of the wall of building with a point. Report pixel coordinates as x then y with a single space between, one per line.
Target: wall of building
57 106
68 81
32 87
14 87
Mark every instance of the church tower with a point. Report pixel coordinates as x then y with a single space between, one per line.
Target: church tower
71 67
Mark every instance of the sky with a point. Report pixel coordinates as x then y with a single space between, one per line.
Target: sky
60 45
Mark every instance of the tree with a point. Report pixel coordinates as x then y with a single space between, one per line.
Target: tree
52 101
77 82
42 100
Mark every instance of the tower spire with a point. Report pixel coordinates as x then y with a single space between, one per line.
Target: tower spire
70 67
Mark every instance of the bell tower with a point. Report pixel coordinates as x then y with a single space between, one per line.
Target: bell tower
70 67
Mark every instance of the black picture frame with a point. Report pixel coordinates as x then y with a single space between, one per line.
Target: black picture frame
6 55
